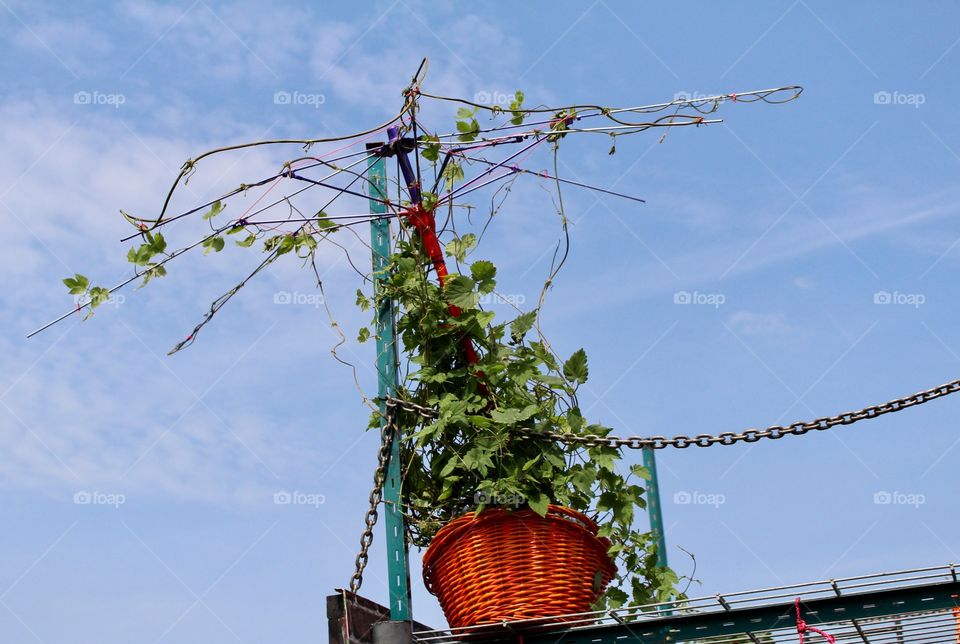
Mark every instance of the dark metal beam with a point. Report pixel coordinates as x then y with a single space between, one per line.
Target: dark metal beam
697 626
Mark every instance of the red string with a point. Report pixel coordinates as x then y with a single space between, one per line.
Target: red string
802 627
426 226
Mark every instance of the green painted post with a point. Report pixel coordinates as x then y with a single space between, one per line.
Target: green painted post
653 506
398 567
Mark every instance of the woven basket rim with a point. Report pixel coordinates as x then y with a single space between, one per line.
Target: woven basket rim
447 535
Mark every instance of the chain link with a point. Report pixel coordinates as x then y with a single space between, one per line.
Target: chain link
376 496
751 435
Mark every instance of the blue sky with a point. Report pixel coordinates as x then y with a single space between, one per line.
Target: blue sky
795 216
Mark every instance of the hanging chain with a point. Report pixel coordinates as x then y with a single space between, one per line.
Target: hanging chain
726 438
376 496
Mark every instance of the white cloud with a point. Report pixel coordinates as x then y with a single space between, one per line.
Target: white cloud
79 413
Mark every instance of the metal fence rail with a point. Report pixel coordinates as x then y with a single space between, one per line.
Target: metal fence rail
916 606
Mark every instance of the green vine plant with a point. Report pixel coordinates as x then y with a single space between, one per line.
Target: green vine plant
466 454
469 456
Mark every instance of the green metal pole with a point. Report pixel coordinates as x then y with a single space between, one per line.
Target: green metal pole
398 566
653 506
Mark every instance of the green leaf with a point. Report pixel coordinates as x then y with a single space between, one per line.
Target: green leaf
428 200
282 244
513 416
364 334
520 326
459 291
544 355
452 173
305 242
478 459
323 222
575 369
153 244
246 243
539 503
616 597
98 295
483 273
466 124
458 247
448 468
156 243
484 318
551 381
215 210
430 151
605 459
154 270
362 300
213 243
515 104
77 284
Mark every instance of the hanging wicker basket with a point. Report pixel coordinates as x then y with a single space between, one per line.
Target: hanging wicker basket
506 565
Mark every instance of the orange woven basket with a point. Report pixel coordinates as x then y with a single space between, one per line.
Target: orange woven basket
505 566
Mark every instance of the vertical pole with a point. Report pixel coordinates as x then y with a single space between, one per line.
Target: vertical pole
653 506
398 568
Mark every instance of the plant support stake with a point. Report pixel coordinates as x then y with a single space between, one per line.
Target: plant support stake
398 567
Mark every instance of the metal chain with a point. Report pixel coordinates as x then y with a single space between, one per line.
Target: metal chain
726 438
376 496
